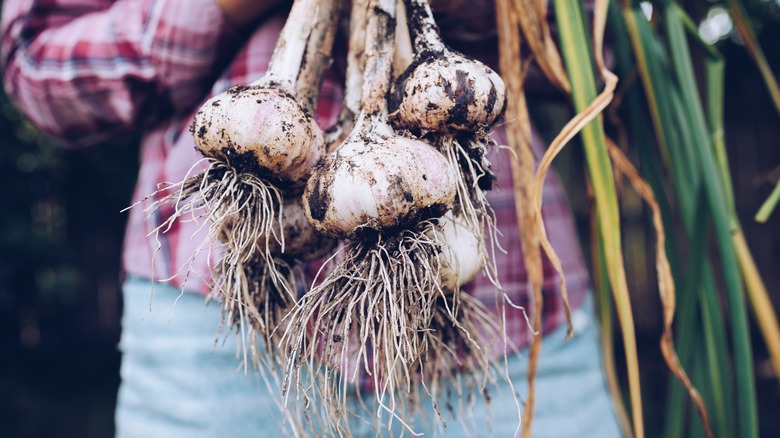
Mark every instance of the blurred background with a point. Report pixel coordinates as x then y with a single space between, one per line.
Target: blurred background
62 230
59 281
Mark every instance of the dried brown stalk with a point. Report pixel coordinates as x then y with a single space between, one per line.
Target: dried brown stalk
519 135
532 18
666 288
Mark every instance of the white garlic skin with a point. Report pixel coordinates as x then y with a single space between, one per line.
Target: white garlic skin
260 130
378 185
447 92
461 256
301 240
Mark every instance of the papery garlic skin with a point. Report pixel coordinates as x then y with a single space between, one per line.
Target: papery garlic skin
393 182
260 130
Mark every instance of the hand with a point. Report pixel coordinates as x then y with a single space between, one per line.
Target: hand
245 12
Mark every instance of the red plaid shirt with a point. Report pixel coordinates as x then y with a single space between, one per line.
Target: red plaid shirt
88 70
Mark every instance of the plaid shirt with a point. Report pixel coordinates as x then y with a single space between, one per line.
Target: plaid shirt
88 70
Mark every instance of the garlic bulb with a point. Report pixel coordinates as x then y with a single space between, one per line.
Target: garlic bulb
260 130
301 240
448 92
378 185
461 255
266 128
443 90
260 143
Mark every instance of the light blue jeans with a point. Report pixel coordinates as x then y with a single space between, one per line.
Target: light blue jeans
178 382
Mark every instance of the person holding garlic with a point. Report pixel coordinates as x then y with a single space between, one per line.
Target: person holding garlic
87 71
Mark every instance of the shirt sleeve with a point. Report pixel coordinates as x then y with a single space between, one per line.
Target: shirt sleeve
87 70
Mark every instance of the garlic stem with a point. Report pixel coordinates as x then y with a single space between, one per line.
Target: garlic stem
404 53
355 58
353 83
380 41
317 56
423 28
287 59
